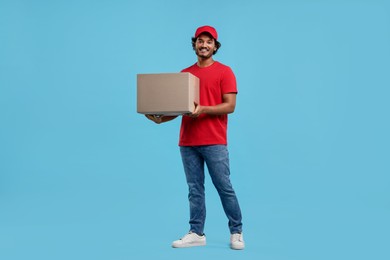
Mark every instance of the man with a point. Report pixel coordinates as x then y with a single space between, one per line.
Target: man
203 139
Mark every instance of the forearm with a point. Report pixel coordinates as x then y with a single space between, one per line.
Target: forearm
167 118
220 109
226 107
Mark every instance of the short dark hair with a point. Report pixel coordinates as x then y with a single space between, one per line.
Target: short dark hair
217 44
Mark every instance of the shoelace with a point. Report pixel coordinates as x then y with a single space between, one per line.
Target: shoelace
185 236
236 237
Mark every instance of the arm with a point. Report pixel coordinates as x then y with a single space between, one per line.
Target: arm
226 107
160 119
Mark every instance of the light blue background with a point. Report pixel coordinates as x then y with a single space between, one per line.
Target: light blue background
83 176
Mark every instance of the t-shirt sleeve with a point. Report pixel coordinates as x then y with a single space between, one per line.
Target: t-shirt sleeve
228 82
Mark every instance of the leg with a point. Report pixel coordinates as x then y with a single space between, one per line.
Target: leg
194 169
217 160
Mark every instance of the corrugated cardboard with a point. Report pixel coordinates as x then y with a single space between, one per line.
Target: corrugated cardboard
167 93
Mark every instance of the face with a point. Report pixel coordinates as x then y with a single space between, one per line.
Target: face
205 46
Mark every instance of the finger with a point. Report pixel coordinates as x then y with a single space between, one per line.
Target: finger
157 119
153 118
194 114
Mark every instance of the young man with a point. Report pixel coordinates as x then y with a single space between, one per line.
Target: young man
203 139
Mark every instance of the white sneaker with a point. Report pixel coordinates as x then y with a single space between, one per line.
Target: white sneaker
189 240
237 241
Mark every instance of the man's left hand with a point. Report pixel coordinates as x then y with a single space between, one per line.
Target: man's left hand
197 111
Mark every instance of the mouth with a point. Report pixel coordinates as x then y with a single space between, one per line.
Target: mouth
203 50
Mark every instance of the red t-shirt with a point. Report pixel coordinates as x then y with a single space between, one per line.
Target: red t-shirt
214 81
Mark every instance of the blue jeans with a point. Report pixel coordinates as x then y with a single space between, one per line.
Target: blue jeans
216 158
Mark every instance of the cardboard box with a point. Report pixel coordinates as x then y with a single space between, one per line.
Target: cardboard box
167 93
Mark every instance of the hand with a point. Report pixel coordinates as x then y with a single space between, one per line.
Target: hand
155 118
197 111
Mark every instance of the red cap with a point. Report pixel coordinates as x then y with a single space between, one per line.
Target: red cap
207 29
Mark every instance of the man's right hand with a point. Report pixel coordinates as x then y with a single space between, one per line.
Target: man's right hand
155 118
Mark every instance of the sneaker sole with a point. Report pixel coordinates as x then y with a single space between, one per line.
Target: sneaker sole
237 247
188 245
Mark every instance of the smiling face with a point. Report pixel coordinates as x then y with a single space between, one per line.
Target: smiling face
205 46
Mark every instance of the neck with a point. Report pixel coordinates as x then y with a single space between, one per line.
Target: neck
205 62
